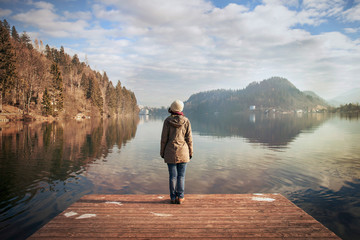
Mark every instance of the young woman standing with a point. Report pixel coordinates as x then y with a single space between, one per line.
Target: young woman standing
176 149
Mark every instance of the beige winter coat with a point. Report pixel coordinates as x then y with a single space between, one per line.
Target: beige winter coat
176 140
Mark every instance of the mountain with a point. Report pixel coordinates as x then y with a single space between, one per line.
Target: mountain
273 93
314 95
352 96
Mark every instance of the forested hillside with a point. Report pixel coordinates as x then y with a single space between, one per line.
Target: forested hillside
49 82
274 93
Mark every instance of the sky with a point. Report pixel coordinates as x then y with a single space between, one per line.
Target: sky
164 50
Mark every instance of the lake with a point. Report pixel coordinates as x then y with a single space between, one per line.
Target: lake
312 159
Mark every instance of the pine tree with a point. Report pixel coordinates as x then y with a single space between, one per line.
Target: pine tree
75 60
95 93
48 52
106 78
85 85
110 97
25 39
119 98
56 55
6 25
57 89
92 91
46 103
62 58
133 101
7 62
14 34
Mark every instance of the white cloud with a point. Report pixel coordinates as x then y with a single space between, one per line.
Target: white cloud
328 7
353 14
352 30
38 18
52 24
157 12
231 47
42 5
316 12
5 12
77 15
169 48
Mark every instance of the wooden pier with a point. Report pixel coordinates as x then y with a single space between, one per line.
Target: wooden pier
219 216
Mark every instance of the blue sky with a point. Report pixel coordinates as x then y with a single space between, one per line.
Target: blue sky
169 49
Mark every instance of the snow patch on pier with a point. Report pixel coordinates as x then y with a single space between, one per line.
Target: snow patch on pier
161 214
88 215
70 214
116 203
263 199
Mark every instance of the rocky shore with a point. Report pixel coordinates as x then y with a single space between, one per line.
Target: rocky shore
12 114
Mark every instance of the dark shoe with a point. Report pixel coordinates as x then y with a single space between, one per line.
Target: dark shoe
181 200
173 201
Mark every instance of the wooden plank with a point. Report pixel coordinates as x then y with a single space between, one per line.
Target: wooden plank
202 216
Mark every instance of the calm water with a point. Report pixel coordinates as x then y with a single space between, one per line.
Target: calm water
313 160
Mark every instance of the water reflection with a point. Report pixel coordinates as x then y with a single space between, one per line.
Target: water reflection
46 167
271 130
318 167
41 167
338 210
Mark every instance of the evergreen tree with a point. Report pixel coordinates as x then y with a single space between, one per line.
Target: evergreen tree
75 60
7 63
133 102
55 55
62 58
7 26
92 91
57 85
95 93
48 52
119 98
25 39
106 78
46 103
85 85
110 97
14 34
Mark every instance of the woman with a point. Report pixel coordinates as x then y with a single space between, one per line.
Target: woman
176 149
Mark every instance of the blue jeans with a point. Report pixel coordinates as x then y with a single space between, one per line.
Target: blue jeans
177 180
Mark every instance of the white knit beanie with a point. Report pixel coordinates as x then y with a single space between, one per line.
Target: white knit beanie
177 106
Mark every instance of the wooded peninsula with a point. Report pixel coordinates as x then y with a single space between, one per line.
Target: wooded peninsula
47 83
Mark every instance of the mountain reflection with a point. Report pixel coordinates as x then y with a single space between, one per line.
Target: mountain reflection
273 131
39 161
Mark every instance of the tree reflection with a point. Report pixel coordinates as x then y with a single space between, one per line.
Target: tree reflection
273 131
45 157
